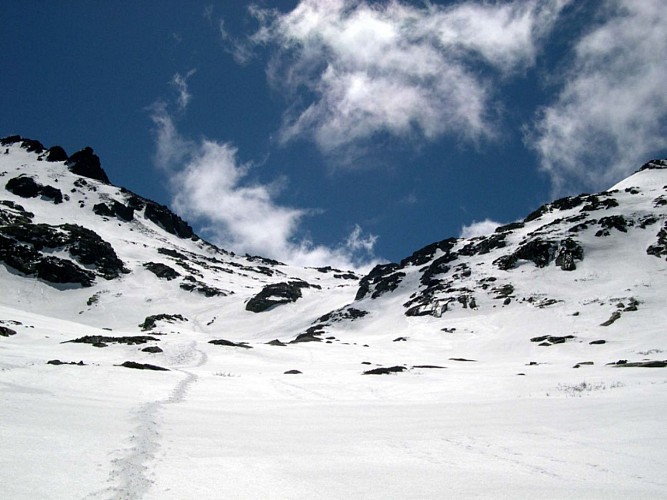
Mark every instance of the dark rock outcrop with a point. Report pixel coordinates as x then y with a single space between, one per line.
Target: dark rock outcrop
276 342
10 139
23 186
276 294
383 278
87 164
143 366
162 270
385 371
547 340
190 284
167 220
103 339
88 248
642 364
659 248
56 270
425 254
307 337
568 253
229 343
151 321
56 153
114 209
615 316
27 187
21 247
541 252
152 349
6 332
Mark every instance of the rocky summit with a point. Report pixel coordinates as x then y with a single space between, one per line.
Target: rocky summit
534 353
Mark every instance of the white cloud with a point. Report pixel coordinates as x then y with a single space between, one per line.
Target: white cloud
397 69
611 114
357 241
170 147
482 228
180 82
211 186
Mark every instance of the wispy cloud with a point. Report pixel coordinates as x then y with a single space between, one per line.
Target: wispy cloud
611 114
390 68
180 83
481 228
213 188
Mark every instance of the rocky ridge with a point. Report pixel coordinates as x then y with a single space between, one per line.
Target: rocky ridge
63 223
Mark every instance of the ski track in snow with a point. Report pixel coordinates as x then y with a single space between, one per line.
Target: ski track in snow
129 473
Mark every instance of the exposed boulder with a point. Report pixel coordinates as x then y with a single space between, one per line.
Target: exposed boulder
190 284
152 349
143 366
162 270
548 340
276 342
52 193
151 321
114 209
87 164
385 371
615 316
27 187
307 337
6 332
23 186
229 343
276 294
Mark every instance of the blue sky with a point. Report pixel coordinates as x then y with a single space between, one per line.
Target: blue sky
342 132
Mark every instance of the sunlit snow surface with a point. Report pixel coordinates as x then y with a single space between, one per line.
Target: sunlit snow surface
227 422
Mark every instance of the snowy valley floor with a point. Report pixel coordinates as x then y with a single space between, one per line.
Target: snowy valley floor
228 423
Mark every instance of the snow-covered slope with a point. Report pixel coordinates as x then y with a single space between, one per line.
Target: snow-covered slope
520 363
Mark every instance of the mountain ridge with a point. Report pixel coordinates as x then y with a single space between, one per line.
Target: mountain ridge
139 361
444 275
